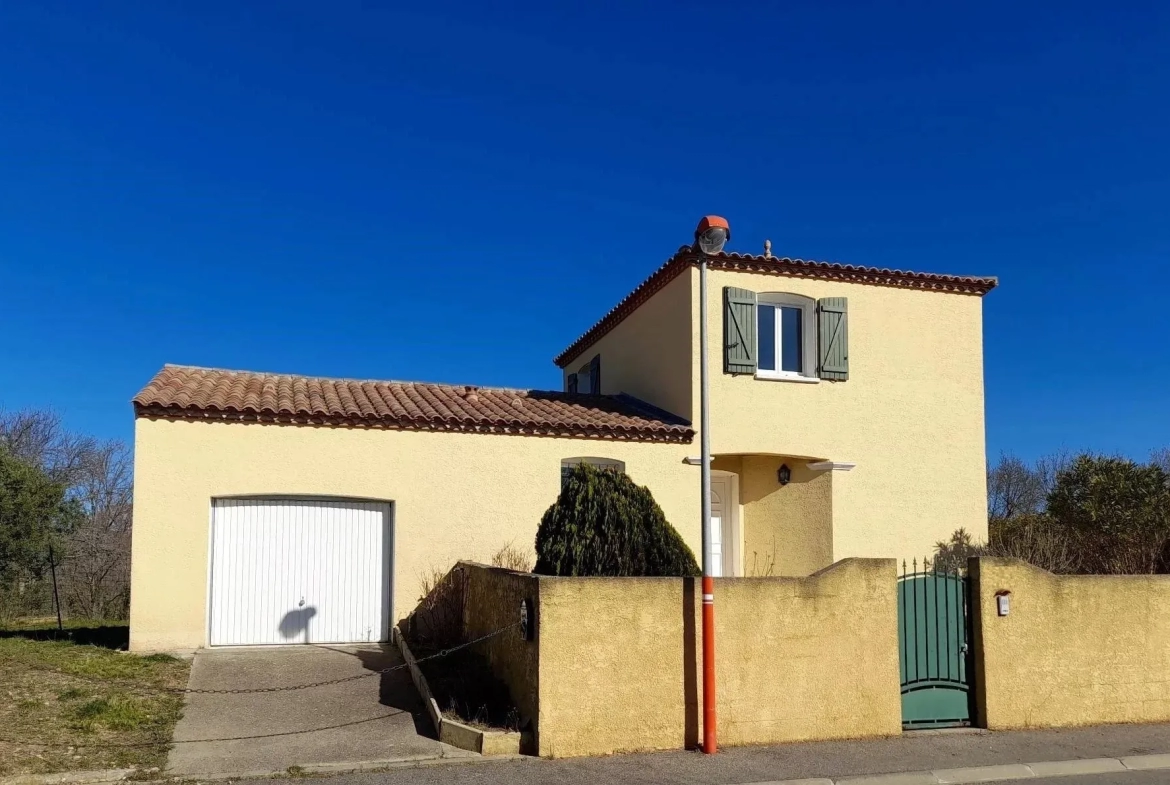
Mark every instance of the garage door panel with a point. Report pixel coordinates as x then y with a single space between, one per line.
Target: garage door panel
290 571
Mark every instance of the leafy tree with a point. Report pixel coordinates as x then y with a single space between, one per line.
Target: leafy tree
1116 511
34 514
1082 514
604 524
94 569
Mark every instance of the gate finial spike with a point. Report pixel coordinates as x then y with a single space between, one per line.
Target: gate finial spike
914 563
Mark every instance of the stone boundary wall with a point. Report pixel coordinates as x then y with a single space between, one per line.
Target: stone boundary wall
1072 650
615 663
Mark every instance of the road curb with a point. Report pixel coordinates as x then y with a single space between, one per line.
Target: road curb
1146 762
897 778
970 775
408 763
68 777
331 769
1066 768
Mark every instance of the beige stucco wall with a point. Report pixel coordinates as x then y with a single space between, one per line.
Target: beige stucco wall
910 416
787 530
492 602
648 354
796 659
456 496
1073 649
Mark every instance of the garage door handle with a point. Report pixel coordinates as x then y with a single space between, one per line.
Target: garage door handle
301 604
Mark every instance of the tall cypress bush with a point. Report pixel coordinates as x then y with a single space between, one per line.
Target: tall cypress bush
604 524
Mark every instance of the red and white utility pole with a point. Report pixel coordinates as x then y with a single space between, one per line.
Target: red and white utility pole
711 235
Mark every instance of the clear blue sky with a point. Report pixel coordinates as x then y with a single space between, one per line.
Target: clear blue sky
454 192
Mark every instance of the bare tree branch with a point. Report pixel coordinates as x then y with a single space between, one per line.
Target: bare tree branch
1013 488
1050 466
94 574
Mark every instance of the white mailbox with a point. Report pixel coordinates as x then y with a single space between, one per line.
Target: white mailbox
1003 603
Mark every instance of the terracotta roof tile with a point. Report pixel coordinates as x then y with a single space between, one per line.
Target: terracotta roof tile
186 392
773 265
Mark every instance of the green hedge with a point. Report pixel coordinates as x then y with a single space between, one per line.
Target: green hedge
604 524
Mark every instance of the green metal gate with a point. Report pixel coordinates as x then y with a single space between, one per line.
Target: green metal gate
933 654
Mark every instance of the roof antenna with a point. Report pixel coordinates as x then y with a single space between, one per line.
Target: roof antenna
767 249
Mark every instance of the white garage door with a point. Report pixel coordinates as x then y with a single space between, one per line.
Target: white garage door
289 571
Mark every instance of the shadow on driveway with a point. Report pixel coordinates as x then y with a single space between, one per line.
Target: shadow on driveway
395 689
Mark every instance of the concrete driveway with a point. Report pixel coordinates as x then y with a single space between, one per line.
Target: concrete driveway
375 718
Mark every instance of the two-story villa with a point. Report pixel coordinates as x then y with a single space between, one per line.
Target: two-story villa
846 416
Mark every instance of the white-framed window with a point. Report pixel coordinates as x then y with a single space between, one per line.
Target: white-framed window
786 336
612 464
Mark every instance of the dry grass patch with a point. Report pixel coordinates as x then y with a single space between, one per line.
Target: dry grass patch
69 706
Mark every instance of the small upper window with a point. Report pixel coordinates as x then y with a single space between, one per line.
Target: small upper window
583 379
587 379
786 336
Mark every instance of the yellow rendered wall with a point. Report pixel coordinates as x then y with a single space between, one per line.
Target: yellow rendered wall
456 496
648 354
492 602
787 530
797 659
910 416
1073 649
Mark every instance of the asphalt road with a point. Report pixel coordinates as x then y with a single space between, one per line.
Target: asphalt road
835 759
1128 778
490 773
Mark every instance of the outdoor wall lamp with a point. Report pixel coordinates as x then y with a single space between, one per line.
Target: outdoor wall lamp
784 474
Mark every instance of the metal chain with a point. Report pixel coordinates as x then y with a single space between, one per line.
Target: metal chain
383 671
253 690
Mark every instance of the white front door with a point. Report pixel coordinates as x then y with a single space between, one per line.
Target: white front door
299 571
716 529
722 528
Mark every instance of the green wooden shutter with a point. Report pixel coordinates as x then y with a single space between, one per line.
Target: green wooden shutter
572 383
833 338
595 375
739 330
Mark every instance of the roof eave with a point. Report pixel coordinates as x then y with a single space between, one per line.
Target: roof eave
773 265
672 434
